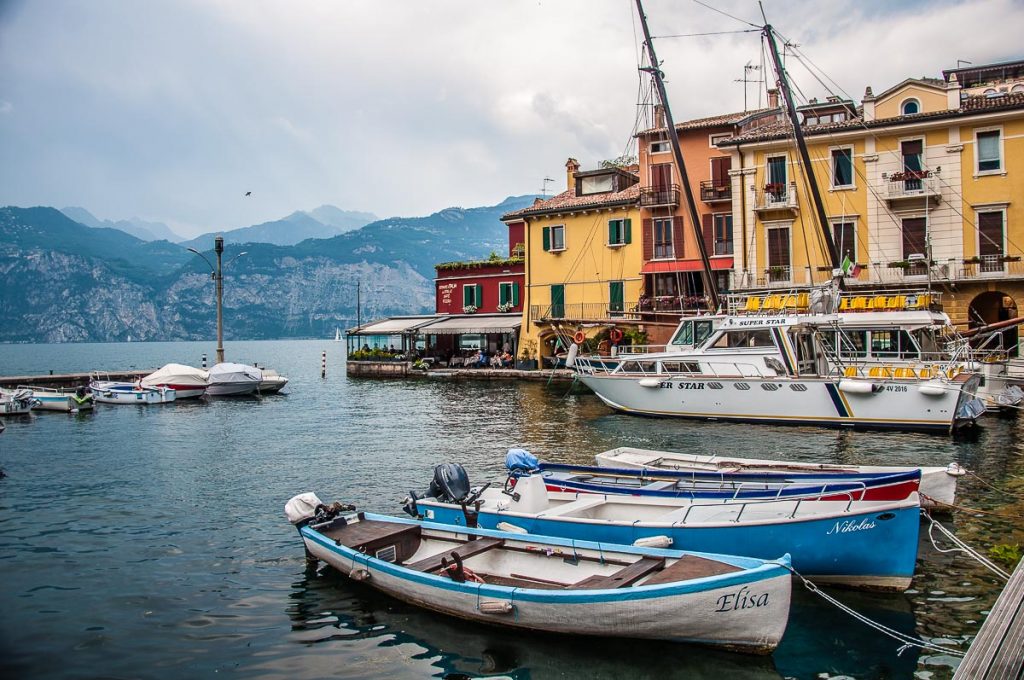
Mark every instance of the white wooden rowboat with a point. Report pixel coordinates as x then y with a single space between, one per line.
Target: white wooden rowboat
555 585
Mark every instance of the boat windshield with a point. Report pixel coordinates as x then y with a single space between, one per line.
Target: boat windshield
743 338
692 333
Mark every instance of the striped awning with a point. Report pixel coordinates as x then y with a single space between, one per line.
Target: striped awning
458 324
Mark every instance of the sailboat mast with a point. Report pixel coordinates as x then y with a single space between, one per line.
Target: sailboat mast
805 159
710 289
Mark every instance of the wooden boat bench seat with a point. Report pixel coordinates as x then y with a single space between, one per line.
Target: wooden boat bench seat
690 567
626 576
580 504
465 551
369 536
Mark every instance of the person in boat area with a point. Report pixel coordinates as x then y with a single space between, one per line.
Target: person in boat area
506 348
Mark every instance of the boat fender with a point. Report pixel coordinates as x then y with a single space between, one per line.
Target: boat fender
496 607
649 382
359 575
856 387
510 528
932 390
955 470
653 542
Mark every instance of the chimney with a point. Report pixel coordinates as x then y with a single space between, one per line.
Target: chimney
869 104
659 116
953 93
773 98
571 167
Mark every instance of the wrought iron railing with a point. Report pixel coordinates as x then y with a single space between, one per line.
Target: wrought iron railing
777 197
652 197
711 191
912 185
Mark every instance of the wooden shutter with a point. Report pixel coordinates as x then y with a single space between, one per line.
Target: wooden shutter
661 176
546 238
914 146
708 232
515 294
479 295
647 227
611 232
627 230
502 293
778 247
677 237
990 233
467 295
914 236
720 171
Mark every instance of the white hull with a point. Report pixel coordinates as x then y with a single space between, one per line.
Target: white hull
798 401
63 403
938 484
127 393
271 384
187 382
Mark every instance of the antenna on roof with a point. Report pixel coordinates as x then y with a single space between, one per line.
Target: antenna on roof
747 69
544 189
963 61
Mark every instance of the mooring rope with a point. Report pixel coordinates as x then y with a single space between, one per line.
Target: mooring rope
907 641
964 508
994 487
961 547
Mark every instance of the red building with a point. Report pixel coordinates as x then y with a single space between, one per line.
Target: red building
489 286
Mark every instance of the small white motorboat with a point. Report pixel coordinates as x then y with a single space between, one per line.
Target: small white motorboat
554 585
61 399
187 382
16 402
232 380
938 484
114 392
272 382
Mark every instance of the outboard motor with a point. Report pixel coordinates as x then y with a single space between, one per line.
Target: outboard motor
450 483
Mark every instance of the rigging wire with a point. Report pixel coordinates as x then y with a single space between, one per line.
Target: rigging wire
724 13
698 35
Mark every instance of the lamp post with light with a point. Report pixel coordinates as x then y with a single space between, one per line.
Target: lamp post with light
217 274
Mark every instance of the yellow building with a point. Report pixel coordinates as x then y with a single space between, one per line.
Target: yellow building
583 260
922 186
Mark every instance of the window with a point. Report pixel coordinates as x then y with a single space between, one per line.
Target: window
915 242
620 232
472 295
720 172
713 140
989 151
596 185
990 240
776 185
912 151
910 106
661 176
508 293
778 254
558 301
731 339
842 167
845 236
663 239
723 233
616 302
554 238
660 147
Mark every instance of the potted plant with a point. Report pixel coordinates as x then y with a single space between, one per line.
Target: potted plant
506 307
527 356
1010 258
899 264
972 260
469 309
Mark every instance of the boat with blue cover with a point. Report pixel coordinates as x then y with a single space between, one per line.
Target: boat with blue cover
554 584
865 544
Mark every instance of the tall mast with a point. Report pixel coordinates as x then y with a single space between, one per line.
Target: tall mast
677 153
805 159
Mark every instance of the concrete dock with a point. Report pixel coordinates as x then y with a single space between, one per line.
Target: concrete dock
68 379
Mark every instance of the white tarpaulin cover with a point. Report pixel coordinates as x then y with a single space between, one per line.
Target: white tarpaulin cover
394 326
234 373
176 374
473 323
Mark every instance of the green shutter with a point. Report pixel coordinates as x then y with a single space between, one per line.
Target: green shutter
502 293
546 234
515 294
611 232
467 296
628 228
479 295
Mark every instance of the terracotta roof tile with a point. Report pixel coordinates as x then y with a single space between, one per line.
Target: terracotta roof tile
968 106
568 200
709 122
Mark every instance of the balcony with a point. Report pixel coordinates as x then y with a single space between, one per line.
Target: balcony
711 192
777 198
659 197
906 188
583 311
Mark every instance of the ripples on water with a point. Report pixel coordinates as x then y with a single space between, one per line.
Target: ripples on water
150 542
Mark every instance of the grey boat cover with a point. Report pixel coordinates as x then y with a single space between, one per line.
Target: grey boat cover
226 374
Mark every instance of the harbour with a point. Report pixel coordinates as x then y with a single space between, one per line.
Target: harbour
149 541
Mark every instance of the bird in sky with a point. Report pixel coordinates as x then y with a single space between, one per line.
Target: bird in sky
248 193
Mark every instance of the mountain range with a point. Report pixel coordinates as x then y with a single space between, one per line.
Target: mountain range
66 281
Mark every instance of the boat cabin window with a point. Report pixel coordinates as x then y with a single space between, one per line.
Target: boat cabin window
638 367
892 344
752 338
680 367
692 333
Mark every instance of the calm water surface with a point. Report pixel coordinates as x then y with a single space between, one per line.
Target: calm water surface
149 542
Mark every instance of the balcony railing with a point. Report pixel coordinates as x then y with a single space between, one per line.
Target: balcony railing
583 311
710 191
655 197
912 185
777 197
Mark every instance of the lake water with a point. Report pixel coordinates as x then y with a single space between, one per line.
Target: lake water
150 542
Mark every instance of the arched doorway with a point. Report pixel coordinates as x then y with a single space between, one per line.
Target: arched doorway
993 307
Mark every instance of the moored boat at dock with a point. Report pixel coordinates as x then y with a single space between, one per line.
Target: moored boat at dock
869 544
555 585
232 380
17 402
61 399
186 381
938 484
113 392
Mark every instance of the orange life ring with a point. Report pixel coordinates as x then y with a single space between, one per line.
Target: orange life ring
579 337
616 335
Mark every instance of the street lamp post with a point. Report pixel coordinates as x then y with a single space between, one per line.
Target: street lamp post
217 274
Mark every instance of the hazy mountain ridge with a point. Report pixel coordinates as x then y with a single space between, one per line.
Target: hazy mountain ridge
136 226
326 221
66 282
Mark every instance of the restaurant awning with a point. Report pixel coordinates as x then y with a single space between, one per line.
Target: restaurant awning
473 323
398 325
669 266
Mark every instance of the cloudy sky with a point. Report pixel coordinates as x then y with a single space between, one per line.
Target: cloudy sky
172 110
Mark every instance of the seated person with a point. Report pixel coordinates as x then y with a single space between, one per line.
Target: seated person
507 361
495 361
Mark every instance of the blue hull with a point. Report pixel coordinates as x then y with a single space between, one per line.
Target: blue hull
871 549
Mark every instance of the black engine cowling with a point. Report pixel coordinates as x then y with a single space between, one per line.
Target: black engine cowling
450 483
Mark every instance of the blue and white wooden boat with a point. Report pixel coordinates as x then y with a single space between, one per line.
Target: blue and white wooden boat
113 392
866 544
552 584
723 485
64 400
